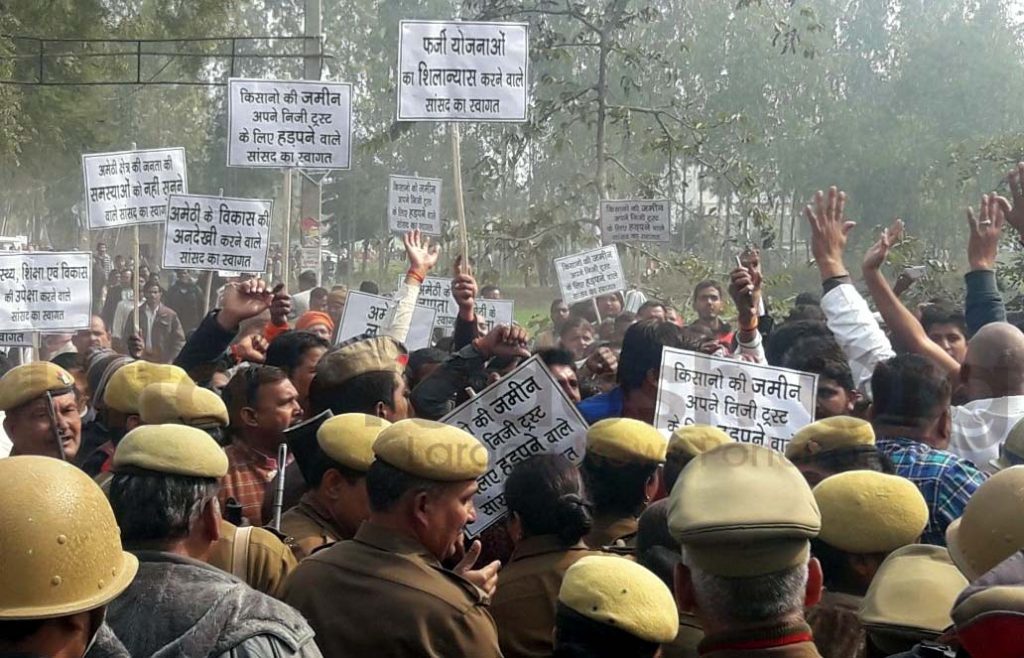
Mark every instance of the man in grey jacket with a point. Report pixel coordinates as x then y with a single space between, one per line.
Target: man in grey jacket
164 495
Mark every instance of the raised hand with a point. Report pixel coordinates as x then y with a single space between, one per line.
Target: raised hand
876 255
504 341
829 230
421 253
242 301
985 231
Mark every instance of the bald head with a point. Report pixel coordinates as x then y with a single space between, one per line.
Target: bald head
994 366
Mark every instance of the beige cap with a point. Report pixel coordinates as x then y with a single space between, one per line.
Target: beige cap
620 593
172 450
869 512
992 526
60 543
691 440
432 450
626 440
742 510
990 622
126 385
913 591
378 354
828 434
30 381
182 403
348 439
1011 452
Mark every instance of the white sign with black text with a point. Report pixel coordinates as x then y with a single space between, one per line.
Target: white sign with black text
131 187
523 414
463 71
590 274
763 405
45 291
366 314
283 124
216 233
635 220
436 292
414 203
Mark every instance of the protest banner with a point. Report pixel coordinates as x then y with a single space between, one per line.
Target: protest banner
365 314
289 124
523 414
309 259
216 233
129 188
589 274
463 71
635 220
763 405
414 203
45 291
15 339
436 293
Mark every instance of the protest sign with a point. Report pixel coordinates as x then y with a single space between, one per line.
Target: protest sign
131 187
635 220
365 314
436 292
283 123
15 339
462 71
763 405
215 233
309 259
589 274
523 414
414 203
45 291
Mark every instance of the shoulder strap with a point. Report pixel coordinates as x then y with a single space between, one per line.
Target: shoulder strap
240 553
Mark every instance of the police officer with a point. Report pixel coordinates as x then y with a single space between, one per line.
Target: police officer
745 517
686 443
865 516
336 503
61 561
609 606
834 445
42 414
909 602
622 471
254 555
992 527
164 495
385 593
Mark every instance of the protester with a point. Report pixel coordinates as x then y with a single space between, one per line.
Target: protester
708 303
96 337
300 300
609 306
651 310
490 292
297 353
563 368
318 323
947 328
576 335
161 330
558 314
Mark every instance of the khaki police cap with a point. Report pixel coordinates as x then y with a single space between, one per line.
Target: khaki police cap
620 593
60 543
828 434
171 450
742 510
431 450
691 440
913 591
1011 452
32 380
378 354
348 439
182 403
991 528
626 440
126 385
869 512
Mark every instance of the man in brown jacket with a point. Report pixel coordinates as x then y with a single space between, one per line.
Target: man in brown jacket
162 333
385 593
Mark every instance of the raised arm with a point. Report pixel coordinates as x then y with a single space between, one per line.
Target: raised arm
900 321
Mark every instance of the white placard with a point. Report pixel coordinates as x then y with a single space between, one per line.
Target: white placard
414 203
45 291
364 315
289 123
590 274
763 405
462 71
131 187
309 259
436 292
523 414
213 233
635 220
16 339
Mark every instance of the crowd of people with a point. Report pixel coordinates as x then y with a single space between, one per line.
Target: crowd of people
150 510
